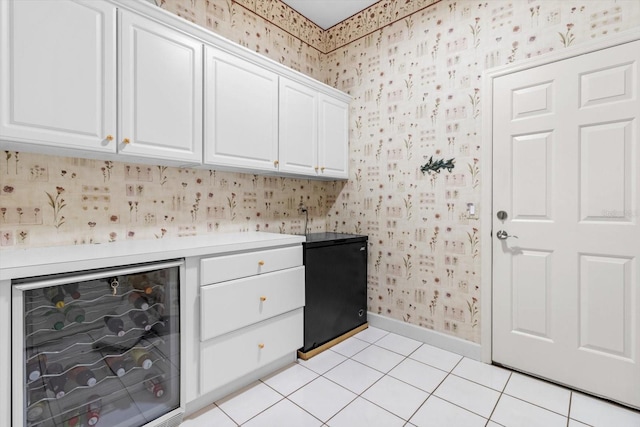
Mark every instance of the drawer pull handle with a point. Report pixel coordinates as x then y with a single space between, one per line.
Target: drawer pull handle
261 345
260 263
263 299
126 141
322 169
109 138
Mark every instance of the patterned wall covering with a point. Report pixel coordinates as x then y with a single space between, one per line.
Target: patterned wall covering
414 71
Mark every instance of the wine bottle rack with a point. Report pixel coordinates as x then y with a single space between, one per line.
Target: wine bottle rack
76 346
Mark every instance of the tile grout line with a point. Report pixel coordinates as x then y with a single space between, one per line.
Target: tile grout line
498 401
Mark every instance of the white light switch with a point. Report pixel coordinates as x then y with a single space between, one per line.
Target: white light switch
472 209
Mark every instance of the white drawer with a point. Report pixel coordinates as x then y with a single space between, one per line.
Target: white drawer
234 355
237 303
229 267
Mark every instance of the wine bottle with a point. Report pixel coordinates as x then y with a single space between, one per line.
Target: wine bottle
56 319
140 319
138 301
72 418
57 380
82 376
141 358
94 406
116 364
36 405
153 385
72 290
55 295
141 282
114 324
73 313
36 366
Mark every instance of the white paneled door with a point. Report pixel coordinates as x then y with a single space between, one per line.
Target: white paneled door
566 182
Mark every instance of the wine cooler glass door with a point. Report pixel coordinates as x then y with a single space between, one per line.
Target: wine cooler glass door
97 348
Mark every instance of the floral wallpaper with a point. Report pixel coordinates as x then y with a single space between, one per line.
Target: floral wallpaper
416 88
414 70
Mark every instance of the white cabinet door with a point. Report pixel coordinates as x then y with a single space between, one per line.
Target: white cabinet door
161 91
241 113
298 128
58 74
333 143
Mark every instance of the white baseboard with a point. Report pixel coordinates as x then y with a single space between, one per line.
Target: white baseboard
446 342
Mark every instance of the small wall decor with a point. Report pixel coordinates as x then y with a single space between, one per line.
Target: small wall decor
436 165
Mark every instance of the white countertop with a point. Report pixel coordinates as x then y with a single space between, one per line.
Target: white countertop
16 263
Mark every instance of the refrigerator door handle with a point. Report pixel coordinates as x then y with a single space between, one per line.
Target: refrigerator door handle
97 275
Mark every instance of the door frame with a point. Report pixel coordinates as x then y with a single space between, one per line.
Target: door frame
486 206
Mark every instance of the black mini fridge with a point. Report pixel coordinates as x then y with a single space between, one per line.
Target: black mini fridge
335 286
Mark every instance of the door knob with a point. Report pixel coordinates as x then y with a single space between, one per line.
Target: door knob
503 235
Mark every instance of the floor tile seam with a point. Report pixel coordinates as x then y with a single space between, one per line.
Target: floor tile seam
259 413
380 406
499 397
480 384
424 363
341 409
387 372
349 357
462 407
229 416
334 366
459 406
393 351
321 422
432 366
282 394
539 406
358 394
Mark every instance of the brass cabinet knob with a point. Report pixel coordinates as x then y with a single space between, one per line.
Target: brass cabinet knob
261 345
263 299
276 163
322 169
126 141
260 263
109 138
316 168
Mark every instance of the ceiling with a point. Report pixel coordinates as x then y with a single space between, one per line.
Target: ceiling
327 13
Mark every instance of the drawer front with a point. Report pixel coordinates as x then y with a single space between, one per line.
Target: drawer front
229 267
234 355
232 305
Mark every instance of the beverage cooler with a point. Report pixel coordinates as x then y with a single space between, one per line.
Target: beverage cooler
99 347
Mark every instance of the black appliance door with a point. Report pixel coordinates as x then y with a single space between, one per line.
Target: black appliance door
336 290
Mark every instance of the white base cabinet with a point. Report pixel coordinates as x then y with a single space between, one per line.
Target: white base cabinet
236 354
251 313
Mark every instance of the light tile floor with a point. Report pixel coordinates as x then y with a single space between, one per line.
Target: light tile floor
382 379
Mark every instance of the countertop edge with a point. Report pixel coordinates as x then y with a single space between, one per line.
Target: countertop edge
29 262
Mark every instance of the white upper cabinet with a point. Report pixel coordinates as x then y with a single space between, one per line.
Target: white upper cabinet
125 80
314 132
241 113
333 137
298 128
58 74
161 91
